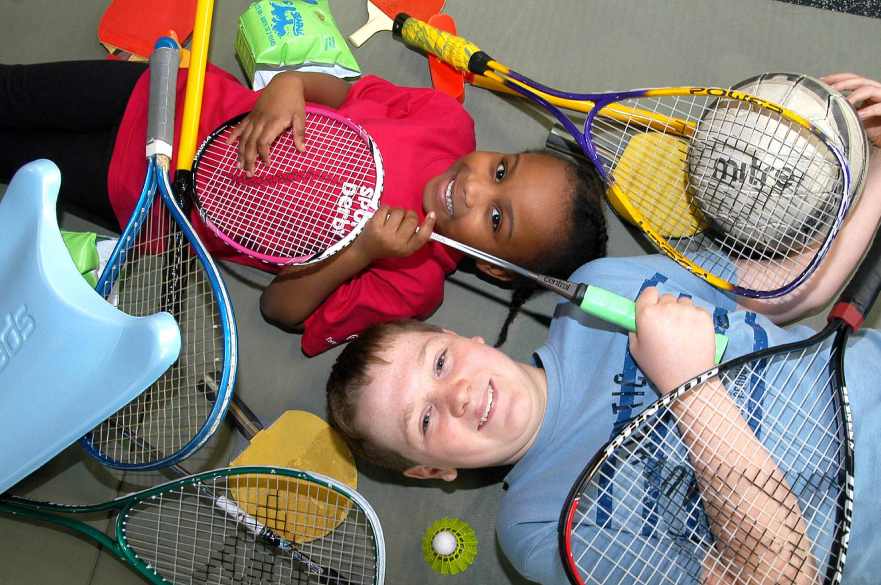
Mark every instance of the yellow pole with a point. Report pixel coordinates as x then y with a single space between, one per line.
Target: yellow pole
195 84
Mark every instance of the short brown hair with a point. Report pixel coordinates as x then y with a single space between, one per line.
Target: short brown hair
351 373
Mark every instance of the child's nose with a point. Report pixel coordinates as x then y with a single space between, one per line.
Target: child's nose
475 191
458 398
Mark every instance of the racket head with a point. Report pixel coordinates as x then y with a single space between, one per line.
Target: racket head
178 413
764 253
214 542
636 512
765 191
303 207
211 528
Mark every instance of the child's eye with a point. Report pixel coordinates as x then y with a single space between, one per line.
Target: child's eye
495 218
426 420
501 171
439 363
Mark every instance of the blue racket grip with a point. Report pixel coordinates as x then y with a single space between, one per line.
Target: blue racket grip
163 89
621 311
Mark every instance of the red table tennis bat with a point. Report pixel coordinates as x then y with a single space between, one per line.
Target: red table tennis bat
444 77
132 26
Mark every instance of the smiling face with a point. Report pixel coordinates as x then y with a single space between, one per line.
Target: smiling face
510 205
450 402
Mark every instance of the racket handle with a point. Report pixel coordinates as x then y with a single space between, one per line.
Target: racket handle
621 311
163 87
449 48
862 290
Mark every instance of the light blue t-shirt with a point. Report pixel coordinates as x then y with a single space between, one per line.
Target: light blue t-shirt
595 386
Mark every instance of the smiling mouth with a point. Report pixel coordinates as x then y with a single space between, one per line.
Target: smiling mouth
489 406
448 196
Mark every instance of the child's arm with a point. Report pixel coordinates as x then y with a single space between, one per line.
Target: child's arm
281 105
859 227
295 294
673 343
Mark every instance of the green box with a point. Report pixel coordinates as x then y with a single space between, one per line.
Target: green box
278 35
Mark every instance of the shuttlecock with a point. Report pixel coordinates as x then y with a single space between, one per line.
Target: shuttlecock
449 546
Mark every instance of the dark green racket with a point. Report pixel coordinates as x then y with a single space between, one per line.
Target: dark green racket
235 525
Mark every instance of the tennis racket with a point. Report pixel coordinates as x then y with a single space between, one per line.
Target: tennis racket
223 526
745 471
303 207
768 189
160 264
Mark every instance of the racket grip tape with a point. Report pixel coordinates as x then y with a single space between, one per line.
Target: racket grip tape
163 89
449 48
621 311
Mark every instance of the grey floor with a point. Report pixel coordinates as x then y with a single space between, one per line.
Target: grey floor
577 44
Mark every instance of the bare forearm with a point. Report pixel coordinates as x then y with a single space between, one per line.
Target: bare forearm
752 512
318 88
294 295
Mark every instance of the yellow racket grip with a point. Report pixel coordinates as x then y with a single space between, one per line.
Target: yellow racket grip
451 49
195 85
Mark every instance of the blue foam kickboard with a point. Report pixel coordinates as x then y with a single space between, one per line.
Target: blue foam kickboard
68 358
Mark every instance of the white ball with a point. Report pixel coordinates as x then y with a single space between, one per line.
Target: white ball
444 543
826 109
749 177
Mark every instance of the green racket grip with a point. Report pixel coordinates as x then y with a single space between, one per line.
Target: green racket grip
450 49
621 311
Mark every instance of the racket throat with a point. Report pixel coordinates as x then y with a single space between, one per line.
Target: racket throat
569 290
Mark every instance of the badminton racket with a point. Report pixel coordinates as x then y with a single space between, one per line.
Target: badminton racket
303 207
222 526
160 264
744 472
741 152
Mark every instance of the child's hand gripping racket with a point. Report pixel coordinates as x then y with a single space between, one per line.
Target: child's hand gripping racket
742 153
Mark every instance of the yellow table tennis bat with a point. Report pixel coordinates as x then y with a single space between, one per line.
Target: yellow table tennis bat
299 440
680 219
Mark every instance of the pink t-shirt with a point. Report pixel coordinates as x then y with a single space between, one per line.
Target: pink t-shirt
420 133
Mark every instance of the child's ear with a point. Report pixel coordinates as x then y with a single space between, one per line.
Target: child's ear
493 271
426 472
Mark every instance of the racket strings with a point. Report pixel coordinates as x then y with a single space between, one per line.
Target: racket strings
298 206
742 183
644 516
160 272
216 532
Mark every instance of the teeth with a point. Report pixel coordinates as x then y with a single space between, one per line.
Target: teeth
448 196
489 404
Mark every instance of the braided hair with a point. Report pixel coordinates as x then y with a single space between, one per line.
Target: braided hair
584 239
